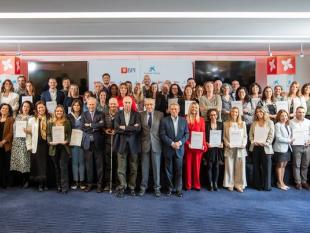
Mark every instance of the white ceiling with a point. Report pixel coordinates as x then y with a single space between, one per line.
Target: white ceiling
154 34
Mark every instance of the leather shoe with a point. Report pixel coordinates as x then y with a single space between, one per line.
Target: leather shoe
179 194
106 188
99 188
132 192
88 188
120 193
169 193
157 193
298 186
141 193
305 185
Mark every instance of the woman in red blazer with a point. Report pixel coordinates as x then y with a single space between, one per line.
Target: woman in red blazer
193 156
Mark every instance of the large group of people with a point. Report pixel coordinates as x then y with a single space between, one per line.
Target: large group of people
104 136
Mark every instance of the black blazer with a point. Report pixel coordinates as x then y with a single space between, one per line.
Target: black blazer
130 135
46 96
95 130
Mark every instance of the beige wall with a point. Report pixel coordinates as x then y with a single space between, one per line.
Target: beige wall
302 69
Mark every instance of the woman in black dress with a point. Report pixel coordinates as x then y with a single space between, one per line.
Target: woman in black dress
215 152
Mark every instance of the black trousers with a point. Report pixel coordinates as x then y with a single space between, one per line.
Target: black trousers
213 171
61 162
5 158
90 155
261 168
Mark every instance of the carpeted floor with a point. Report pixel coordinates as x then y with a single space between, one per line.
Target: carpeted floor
251 211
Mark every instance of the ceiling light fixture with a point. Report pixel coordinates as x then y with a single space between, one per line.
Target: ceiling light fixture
301 54
269 51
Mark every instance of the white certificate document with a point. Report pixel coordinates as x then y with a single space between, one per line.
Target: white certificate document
255 101
301 136
239 105
51 106
58 134
170 101
235 136
19 129
282 105
187 103
196 140
215 139
69 110
260 134
76 137
27 98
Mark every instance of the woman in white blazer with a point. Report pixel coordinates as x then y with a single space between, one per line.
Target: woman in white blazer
8 96
235 176
295 99
282 146
36 143
261 146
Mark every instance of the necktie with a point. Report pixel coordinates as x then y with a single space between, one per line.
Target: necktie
149 122
92 116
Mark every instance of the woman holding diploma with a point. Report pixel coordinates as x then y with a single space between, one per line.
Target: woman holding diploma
193 154
30 95
215 148
78 167
235 140
20 159
6 136
58 137
36 143
261 138
282 146
8 95
268 103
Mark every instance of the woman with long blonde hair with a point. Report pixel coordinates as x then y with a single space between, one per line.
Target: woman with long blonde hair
295 99
235 176
193 156
60 151
138 96
262 149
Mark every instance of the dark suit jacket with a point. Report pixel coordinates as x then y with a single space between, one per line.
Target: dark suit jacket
168 135
150 138
130 135
46 96
96 130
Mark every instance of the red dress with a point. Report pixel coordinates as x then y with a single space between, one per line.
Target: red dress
193 156
121 105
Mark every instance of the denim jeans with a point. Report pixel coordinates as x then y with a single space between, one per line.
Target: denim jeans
78 167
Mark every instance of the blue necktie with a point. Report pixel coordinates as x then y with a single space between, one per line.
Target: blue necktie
149 122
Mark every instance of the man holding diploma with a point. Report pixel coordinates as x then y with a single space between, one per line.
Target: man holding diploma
174 133
301 149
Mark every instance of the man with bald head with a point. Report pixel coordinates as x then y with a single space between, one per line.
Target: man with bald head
92 125
127 145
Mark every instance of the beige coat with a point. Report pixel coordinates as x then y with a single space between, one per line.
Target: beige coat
268 147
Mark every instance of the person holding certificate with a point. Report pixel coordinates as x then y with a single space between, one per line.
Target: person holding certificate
282 146
52 94
8 96
174 133
193 153
268 103
6 136
301 148
235 139
214 155
261 138
20 159
77 153
247 106
72 95
210 100
30 94
58 137
186 100
36 141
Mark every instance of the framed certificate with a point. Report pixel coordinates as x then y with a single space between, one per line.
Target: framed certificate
239 105
235 136
215 139
187 104
19 129
58 134
282 105
260 134
27 98
51 106
76 137
196 140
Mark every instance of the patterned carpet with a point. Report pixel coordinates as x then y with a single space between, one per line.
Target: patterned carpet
252 211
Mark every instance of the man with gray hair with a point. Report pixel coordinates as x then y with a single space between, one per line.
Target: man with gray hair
151 146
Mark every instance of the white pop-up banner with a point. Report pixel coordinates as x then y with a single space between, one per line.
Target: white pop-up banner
134 70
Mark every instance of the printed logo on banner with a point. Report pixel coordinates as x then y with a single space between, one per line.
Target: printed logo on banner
127 70
152 70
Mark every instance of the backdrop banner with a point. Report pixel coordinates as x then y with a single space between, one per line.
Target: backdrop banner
134 70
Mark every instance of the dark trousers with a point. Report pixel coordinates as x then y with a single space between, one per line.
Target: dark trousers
5 159
61 162
213 171
261 168
90 155
173 169
122 169
108 166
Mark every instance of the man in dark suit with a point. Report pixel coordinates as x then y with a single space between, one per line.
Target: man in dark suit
174 133
151 146
127 125
93 142
52 94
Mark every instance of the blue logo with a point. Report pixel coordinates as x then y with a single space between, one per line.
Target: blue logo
152 70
